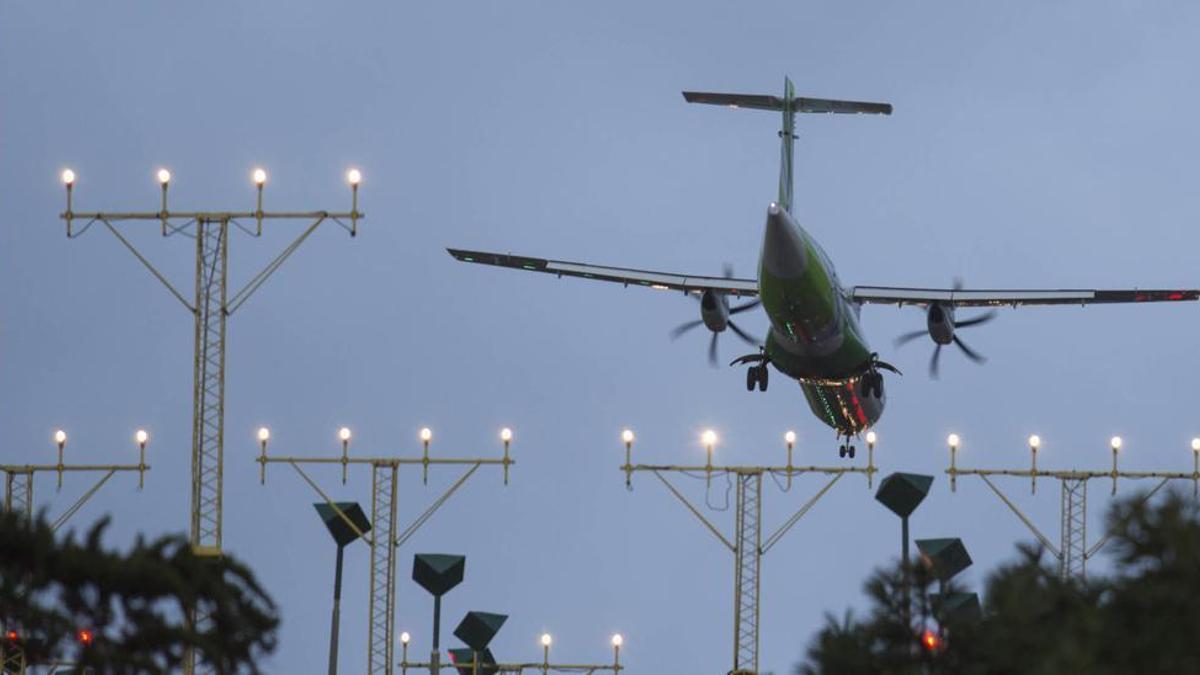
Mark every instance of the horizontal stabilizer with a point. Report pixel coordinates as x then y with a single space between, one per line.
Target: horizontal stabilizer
799 104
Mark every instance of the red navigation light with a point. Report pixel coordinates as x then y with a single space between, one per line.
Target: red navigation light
85 637
12 635
931 641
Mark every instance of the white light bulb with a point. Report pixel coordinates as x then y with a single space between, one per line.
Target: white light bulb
141 436
264 434
68 177
164 176
709 438
1196 444
60 436
627 436
617 640
344 433
426 434
354 176
1115 443
871 438
546 639
506 434
260 176
952 440
790 438
405 637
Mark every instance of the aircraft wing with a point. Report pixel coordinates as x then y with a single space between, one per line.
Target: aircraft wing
889 295
621 275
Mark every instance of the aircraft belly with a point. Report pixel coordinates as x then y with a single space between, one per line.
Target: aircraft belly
842 407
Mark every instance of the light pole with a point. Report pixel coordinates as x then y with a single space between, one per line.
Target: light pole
438 573
346 522
902 493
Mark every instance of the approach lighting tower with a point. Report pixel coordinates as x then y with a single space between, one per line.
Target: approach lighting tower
210 306
385 538
747 546
1073 552
18 498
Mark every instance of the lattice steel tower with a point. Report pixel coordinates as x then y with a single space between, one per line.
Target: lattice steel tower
747 546
1073 552
211 305
386 536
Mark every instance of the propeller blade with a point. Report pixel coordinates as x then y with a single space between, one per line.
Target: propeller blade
742 334
909 337
749 305
971 354
712 351
685 327
933 362
976 321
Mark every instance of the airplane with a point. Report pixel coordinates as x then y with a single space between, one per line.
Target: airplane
815 337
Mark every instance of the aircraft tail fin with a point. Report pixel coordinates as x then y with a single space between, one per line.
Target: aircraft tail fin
789 105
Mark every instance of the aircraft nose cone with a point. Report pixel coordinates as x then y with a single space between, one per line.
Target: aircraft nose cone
783 252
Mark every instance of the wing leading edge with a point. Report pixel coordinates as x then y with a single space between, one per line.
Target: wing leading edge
889 295
628 277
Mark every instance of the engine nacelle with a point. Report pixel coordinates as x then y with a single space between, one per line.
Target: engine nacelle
940 321
714 311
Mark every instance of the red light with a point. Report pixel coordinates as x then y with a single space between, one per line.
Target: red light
85 637
931 640
12 635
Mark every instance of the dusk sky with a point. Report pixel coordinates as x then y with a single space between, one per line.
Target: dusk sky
1033 144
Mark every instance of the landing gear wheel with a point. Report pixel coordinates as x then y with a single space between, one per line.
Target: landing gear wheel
763 376
841 451
850 451
751 378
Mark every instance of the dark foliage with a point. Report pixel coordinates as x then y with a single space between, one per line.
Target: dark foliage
1143 619
135 605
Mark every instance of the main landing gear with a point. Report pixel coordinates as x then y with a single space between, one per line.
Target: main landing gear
871 384
846 450
757 376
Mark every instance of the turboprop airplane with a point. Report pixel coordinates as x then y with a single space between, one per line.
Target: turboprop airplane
815 336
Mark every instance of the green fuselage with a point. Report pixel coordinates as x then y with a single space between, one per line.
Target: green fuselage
815 337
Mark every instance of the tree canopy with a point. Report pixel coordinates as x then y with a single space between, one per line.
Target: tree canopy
1143 618
64 599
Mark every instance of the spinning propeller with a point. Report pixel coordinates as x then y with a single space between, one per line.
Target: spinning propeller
714 315
941 327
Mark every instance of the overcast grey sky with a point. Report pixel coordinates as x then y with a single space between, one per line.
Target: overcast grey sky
1033 144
